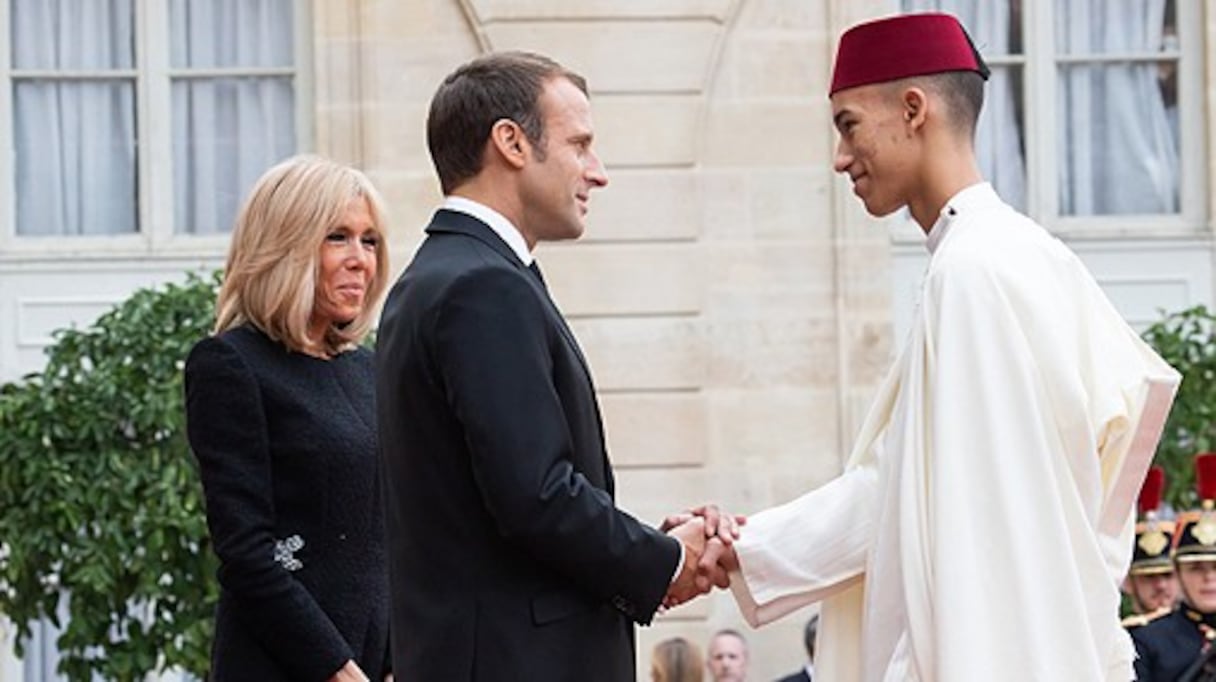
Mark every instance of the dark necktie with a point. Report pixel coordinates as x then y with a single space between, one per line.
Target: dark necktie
536 271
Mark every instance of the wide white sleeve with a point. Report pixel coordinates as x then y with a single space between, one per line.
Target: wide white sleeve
807 549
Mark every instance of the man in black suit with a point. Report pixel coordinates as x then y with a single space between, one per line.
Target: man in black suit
509 559
808 640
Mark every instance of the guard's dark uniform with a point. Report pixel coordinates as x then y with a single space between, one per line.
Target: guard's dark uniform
1176 648
1167 646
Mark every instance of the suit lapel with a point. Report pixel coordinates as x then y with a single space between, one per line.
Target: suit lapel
463 223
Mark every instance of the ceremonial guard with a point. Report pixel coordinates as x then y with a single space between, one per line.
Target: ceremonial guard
1177 647
1151 583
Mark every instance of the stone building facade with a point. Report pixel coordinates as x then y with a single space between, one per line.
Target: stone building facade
736 305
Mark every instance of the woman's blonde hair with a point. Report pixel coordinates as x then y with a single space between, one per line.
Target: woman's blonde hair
676 660
270 279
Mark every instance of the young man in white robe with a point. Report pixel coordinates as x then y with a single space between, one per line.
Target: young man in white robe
984 520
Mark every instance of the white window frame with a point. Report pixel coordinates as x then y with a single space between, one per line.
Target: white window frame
154 137
1041 154
1039 65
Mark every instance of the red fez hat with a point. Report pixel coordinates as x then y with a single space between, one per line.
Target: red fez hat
903 46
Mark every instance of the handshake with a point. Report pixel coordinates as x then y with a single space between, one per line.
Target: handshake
708 536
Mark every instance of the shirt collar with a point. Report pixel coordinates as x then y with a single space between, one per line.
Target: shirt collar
496 221
967 199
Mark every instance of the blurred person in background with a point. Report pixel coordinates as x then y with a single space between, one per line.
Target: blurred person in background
676 660
1151 584
727 658
809 633
1178 647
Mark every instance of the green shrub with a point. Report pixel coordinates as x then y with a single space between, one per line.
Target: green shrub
100 497
1187 340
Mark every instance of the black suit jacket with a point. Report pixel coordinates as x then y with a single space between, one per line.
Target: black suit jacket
508 558
799 676
286 445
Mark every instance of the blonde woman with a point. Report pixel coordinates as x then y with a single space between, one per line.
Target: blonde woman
281 416
676 660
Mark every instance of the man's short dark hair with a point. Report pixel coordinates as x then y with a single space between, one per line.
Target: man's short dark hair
808 636
475 96
963 92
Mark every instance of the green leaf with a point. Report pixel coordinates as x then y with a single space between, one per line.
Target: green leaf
1187 340
100 496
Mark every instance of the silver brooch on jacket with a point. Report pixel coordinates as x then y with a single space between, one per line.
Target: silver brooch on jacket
285 552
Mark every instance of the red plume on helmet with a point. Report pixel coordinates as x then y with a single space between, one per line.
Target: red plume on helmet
1150 492
1151 552
1205 477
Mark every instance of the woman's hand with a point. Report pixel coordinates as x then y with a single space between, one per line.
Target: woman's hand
349 673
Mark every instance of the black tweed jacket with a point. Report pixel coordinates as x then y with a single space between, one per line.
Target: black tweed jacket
286 445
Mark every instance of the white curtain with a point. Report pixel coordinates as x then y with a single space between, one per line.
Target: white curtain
1118 153
998 138
228 130
74 140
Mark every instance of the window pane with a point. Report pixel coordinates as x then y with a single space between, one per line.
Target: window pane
1000 136
1118 151
1167 71
231 33
1117 120
75 157
1111 26
226 132
994 25
70 34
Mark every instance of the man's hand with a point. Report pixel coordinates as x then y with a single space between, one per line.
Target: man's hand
718 560
691 534
717 523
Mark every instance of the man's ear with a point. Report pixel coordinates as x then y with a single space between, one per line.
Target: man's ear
509 142
915 103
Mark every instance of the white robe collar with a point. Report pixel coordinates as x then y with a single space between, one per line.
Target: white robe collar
969 199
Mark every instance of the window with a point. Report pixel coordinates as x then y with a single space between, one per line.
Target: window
1090 121
143 122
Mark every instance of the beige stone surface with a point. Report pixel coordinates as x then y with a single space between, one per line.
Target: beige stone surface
651 494
777 268
731 295
646 205
656 429
515 10
620 56
785 15
635 131
644 353
763 65
625 279
765 133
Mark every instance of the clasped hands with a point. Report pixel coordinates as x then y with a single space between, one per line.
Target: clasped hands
708 536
